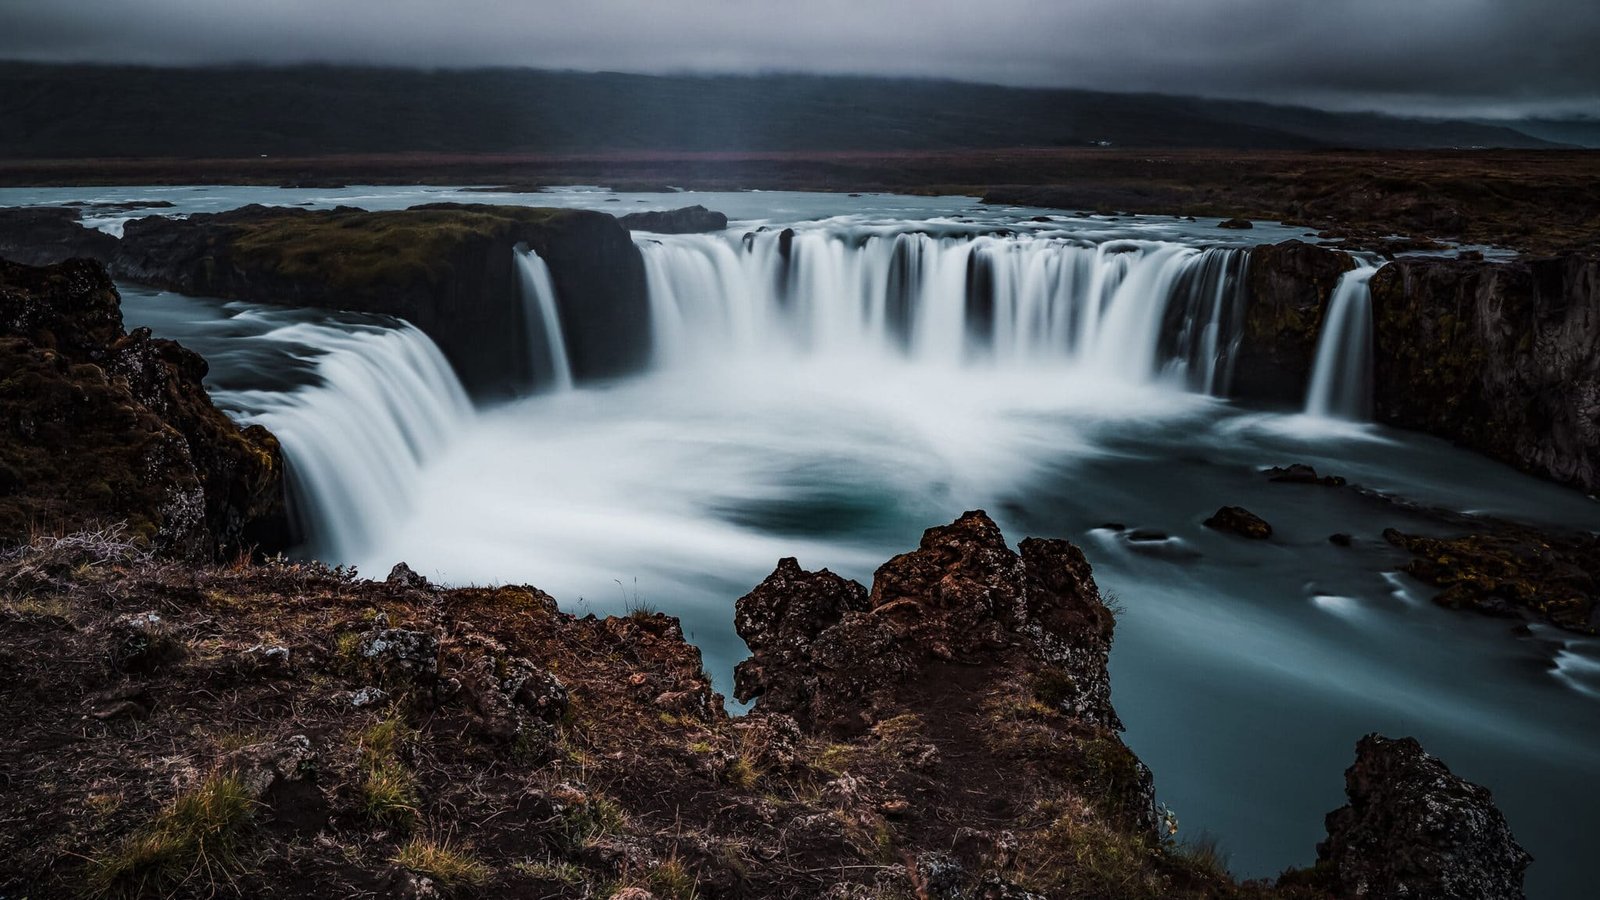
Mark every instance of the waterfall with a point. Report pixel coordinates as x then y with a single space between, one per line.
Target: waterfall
1341 379
384 402
547 348
1131 310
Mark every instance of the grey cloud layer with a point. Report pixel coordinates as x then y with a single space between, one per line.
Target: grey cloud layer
1454 56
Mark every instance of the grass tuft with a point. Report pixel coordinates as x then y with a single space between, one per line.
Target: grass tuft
194 840
672 880
449 865
388 794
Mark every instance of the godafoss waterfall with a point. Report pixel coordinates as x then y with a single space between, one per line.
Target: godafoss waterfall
831 375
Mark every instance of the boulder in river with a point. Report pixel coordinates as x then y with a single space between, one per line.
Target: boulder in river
1240 521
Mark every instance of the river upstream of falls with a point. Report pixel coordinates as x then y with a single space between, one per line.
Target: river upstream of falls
834 408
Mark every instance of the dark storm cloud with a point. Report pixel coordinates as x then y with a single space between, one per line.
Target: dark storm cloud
1447 56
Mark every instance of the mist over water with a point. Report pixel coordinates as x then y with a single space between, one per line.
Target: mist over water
831 394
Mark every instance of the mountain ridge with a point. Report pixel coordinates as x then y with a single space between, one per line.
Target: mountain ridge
81 111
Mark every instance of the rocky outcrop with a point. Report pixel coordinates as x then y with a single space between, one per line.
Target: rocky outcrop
46 235
516 750
1290 285
1511 570
106 427
449 269
688 220
826 650
1413 829
942 627
1501 357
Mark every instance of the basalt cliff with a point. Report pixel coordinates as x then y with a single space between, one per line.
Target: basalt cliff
1502 357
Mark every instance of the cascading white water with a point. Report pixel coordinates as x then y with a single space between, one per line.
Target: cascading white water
1341 378
547 348
387 401
1124 309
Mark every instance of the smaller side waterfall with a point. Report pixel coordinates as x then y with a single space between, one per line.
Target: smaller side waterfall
1341 379
547 347
386 402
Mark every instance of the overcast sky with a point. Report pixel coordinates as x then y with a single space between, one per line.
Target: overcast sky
1458 57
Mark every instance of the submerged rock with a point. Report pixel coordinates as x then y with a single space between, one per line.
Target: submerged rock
1300 473
1511 570
1236 224
1413 829
1240 521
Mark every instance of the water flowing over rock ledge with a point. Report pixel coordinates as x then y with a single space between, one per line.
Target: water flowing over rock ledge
1498 356
446 268
1501 357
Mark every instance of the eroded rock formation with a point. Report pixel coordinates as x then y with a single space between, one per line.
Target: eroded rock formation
1413 829
107 427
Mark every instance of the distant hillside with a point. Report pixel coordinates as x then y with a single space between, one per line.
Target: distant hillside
1584 132
93 111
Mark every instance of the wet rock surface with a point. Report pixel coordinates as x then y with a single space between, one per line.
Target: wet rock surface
1502 357
1300 473
1413 829
1290 285
1504 569
688 220
1240 521
46 235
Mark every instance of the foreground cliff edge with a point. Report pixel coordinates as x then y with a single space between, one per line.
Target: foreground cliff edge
290 730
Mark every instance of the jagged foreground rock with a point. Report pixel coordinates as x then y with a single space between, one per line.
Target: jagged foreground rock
100 426
288 730
1413 829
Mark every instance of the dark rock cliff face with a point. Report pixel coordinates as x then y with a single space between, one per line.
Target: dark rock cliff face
1289 288
104 427
1414 829
45 235
449 269
1500 357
